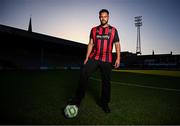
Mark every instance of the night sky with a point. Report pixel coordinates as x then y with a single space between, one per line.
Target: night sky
73 20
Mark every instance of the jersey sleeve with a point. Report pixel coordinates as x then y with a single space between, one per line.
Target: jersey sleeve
116 37
91 34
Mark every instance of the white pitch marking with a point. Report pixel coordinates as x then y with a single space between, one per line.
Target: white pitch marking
137 85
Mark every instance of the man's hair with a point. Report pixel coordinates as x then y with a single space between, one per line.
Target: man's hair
103 10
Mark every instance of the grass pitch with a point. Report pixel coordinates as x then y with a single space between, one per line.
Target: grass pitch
137 97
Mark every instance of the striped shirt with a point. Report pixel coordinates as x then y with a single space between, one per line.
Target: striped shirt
103 39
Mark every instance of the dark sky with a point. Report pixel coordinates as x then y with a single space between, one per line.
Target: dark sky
73 20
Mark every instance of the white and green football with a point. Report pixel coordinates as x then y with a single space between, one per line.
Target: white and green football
71 111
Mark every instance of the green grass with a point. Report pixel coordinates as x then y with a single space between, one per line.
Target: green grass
37 97
154 72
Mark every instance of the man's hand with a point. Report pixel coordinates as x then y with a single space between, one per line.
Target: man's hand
85 61
89 49
117 63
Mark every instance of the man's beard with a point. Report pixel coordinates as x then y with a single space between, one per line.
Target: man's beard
103 22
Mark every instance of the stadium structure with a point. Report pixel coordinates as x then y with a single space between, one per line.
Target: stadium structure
131 60
25 49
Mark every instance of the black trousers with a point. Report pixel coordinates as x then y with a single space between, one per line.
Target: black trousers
86 71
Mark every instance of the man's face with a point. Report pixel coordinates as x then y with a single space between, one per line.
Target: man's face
104 17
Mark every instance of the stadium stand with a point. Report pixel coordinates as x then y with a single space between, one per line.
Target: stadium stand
21 49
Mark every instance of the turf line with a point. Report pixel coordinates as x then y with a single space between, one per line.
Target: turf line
137 85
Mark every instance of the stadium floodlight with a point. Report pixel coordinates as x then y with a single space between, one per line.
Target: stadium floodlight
138 24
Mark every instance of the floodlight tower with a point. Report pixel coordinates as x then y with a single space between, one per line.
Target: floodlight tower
138 24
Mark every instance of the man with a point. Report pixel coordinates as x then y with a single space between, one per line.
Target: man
99 55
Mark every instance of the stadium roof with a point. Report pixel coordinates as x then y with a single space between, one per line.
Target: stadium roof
42 37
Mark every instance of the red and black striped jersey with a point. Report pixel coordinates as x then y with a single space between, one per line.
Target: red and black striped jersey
103 39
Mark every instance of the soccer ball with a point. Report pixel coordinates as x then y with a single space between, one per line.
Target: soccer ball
71 111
